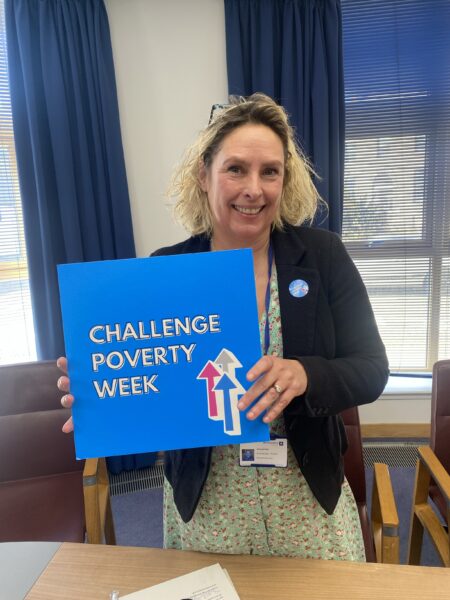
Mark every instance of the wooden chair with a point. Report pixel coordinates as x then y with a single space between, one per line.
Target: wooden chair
45 493
432 475
381 530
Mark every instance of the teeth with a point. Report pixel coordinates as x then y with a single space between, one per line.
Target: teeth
246 210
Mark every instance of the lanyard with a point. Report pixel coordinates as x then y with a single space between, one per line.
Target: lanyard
267 300
267 303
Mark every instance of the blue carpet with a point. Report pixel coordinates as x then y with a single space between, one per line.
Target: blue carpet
139 521
138 518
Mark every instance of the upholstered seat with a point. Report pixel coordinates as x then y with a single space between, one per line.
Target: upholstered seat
41 482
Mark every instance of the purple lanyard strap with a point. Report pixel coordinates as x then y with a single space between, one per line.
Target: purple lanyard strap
267 304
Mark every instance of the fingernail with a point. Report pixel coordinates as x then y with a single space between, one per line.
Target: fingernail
266 419
250 415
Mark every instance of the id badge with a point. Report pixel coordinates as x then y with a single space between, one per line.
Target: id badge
264 454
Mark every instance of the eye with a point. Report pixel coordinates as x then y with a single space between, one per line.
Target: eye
271 171
234 169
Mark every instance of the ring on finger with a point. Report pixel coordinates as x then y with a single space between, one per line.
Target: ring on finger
277 388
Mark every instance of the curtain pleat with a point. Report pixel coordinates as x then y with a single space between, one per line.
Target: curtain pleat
69 150
69 153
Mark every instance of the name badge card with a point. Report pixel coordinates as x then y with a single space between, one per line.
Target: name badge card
264 454
158 349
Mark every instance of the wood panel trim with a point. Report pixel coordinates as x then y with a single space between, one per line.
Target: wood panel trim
395 430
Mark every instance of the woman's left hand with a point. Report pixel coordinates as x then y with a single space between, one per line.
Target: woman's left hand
280 381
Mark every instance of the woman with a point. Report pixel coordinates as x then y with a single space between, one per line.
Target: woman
245 184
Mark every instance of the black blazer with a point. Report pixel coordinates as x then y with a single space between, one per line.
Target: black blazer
332 332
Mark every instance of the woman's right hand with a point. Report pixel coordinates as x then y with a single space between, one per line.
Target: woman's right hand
64 386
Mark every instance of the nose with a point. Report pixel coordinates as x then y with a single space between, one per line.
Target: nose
253 187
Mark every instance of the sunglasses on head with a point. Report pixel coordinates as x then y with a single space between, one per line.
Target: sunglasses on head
215 110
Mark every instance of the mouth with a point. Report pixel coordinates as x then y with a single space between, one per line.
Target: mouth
248 210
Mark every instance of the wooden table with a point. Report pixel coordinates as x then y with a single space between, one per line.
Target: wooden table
90 572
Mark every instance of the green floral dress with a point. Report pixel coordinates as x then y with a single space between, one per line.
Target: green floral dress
268 511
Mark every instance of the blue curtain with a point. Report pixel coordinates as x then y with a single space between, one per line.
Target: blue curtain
292 51
69 153
68 144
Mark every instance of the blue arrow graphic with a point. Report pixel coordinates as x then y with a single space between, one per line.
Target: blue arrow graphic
226 384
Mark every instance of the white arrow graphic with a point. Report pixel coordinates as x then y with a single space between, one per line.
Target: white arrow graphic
228 361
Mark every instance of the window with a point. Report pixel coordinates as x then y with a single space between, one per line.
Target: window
396 220
16 324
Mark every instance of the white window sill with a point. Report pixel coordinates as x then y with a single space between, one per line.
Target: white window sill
407 387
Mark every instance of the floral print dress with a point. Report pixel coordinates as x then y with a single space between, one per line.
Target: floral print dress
264 510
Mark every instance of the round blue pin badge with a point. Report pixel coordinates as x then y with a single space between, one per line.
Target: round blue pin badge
298 288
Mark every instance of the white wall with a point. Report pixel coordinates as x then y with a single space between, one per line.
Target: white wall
400 409
170 68
405 400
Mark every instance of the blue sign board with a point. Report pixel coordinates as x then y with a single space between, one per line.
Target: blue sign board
158 349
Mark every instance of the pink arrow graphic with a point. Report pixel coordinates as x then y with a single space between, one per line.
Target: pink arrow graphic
210 372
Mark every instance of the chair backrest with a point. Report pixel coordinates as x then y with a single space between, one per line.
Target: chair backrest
356 476
380 529
29 387
353 458
440 425
41 490
440 412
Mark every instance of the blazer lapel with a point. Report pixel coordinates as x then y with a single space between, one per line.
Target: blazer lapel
298 312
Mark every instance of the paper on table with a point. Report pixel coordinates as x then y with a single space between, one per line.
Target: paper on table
209 583
229 579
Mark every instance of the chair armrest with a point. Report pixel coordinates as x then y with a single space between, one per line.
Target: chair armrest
436 470
384 517
90 468
388 507
97 504
423 516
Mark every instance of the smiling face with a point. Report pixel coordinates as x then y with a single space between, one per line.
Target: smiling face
244 184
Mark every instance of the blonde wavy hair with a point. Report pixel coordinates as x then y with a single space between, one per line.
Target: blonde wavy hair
299 199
